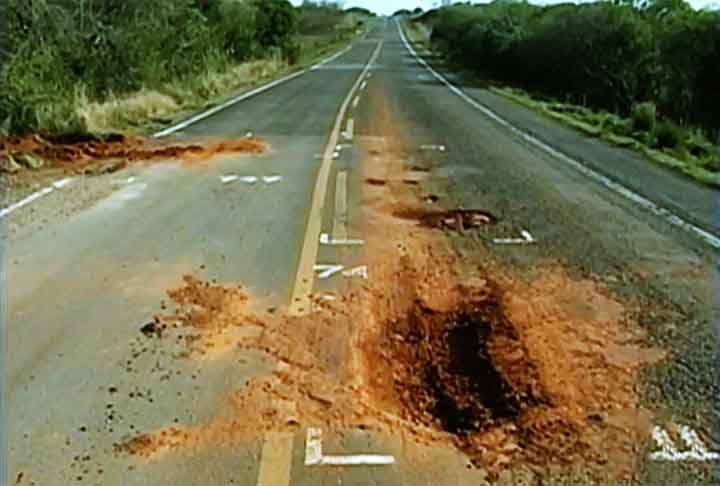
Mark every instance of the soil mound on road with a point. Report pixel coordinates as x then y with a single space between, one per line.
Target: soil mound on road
96 155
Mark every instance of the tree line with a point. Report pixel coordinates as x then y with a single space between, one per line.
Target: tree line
53 48
656 59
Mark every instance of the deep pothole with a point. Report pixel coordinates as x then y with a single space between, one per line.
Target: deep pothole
467 391
462 371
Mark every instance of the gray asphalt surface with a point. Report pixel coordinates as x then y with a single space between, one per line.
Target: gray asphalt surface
79 291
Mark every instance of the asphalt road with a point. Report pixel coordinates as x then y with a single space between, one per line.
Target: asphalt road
79 290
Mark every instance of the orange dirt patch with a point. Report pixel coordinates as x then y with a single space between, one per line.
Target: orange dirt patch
510 373
118 151
541 374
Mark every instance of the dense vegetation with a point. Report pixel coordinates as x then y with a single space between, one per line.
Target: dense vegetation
658 64
61 51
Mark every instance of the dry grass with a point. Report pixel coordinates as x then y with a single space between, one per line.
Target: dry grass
152 107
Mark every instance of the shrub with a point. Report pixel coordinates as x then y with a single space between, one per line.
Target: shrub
644 117
668 134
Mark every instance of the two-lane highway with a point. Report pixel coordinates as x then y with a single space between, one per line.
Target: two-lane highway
82 378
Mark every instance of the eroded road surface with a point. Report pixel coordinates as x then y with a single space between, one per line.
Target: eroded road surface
389 288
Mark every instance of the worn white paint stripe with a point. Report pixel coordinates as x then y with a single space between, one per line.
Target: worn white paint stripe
327 270
314 454
62 183
356 102
696 450
24 202
228 178
350 129
35 196
340 219
330 59
667 215
271 179
261 89
441 148
326 240
526 239
363 85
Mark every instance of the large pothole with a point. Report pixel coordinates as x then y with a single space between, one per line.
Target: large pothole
462 371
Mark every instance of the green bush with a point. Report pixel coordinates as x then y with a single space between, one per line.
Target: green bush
58 51
606 55
644 117
668 134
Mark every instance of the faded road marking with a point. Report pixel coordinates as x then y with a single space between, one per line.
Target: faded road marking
356 102
340 219
441 148
350 129
697 451
302 289
314 454
34 196
526 239
667 215
326 240
271 179
276 460
327 271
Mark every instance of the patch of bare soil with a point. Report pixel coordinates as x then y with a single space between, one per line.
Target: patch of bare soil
111 154
510 373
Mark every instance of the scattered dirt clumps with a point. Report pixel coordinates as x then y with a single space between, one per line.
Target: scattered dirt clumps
540 374
102 155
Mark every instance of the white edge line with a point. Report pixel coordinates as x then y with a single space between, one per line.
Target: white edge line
205 114
62 183
194 119
667 215
24 202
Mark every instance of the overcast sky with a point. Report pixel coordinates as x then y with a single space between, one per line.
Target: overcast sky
390 6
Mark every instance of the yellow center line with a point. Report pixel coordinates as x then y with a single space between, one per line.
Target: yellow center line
276 459
302 289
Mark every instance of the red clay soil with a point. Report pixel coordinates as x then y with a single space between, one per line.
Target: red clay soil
83 155
542 374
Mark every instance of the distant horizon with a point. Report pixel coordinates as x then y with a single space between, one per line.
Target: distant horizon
388 7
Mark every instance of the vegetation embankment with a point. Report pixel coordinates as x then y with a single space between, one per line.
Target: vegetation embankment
644 77
73 66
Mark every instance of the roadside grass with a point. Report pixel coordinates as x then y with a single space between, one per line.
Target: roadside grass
680 148
152 109
676 147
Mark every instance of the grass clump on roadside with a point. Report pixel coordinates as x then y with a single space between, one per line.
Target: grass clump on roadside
73 67
663 141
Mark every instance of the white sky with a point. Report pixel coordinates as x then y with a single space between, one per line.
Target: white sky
389 6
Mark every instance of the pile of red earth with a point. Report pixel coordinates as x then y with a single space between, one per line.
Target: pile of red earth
81 154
